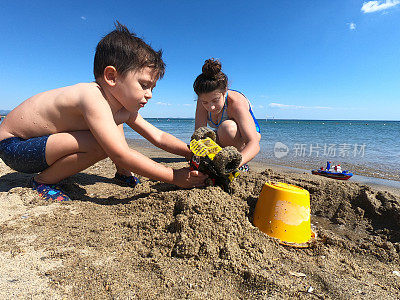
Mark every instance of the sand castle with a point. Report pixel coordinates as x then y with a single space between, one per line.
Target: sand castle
219 163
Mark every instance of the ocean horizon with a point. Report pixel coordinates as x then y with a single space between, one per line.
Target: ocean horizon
4 112
364 147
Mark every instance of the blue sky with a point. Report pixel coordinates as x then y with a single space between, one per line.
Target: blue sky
292 59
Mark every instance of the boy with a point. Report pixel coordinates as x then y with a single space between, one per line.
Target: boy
61 132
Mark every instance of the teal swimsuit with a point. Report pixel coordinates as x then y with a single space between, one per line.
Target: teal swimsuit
226 117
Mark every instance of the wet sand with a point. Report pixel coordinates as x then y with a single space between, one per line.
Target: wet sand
370 171
157 241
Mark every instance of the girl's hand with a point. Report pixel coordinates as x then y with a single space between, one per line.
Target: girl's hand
186 178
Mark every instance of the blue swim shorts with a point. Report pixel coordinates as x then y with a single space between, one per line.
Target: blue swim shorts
26 156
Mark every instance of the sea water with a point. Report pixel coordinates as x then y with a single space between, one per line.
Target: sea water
369 148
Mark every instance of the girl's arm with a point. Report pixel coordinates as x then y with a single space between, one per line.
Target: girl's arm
201 116
238 110
158 137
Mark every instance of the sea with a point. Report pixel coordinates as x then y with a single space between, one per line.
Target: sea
367 148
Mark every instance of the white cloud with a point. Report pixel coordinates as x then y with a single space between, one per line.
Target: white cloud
187 104
289 106
352 26
163 103
83 18
373 6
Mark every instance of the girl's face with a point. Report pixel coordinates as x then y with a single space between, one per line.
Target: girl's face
213 102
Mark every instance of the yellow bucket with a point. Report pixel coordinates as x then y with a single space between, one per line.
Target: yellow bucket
283 212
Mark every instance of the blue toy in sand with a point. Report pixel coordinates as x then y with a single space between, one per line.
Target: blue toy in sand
334 172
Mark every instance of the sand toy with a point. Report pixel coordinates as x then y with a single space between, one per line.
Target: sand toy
332 171
283 212
220 164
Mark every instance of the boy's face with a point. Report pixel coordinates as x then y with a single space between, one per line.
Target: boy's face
135 88
213 102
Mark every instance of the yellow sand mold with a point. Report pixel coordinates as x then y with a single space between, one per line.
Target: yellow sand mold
283 212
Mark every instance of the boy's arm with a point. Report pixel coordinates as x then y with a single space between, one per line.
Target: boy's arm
158 137
99 118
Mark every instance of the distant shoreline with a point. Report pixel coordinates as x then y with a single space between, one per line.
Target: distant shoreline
5 112
271 120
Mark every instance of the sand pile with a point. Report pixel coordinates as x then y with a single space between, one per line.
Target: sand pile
157 241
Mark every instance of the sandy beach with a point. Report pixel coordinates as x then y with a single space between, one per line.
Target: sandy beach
157 241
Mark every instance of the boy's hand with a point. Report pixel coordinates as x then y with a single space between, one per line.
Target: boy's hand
189 156
186 178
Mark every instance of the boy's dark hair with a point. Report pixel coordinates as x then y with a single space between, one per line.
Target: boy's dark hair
126 52
211 79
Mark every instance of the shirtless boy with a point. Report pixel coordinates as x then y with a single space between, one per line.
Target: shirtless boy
61 132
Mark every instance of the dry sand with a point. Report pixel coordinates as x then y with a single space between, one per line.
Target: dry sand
157 241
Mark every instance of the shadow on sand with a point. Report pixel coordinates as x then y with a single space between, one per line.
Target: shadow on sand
74 187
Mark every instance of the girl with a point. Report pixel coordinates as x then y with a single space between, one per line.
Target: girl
227 111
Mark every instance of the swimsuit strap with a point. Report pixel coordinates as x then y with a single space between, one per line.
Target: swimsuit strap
251 112
239 92
222 115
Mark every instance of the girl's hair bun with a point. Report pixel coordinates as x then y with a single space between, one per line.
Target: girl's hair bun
211 68
211 79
